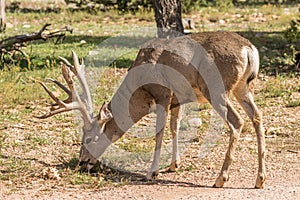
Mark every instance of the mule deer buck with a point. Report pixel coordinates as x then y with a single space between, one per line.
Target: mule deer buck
201 67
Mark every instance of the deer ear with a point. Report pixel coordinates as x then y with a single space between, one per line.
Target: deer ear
104 114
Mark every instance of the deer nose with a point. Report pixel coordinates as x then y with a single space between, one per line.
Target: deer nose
84 162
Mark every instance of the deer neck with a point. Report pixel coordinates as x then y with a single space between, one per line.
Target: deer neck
112 131
126 111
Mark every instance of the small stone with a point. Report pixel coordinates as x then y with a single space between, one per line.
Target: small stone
221 21
90 32
26 26
195 122
238 15
9 25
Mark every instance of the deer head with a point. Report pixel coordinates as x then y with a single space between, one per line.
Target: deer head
94 125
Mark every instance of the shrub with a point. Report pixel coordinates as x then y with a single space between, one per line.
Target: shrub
292 34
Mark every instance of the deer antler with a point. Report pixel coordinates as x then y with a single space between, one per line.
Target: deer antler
83 102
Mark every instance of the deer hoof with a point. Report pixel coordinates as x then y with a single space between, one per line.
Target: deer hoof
260 181
221 180
173 166
218 185
152 175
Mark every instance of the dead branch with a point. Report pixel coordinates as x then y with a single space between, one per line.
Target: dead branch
18 41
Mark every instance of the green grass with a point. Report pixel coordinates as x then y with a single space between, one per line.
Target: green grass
137 145
17 87
280 86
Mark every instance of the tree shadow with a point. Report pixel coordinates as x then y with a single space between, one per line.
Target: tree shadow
108 51
134 178
275 51
111 174
14 6
264 2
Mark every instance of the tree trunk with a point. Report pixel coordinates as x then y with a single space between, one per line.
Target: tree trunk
2 16
168 18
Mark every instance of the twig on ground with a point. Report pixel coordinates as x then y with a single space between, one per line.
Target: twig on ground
292 151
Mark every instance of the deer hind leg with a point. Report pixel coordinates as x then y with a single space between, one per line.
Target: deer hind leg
245 98
235 124
175 124
162 109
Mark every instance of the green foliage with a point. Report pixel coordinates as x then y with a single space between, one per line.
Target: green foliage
292 34
224 5
121 5
134 5
190 5
187 6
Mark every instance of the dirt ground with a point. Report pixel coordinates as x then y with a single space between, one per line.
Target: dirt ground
283 173
282 183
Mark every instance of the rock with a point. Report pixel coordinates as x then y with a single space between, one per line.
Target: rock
82 42
26 26
275 17
9 25
195 122
238 15
221 21
90 32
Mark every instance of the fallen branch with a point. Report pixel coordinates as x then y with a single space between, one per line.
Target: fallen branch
15 43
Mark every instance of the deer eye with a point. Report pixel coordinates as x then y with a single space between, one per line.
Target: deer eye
88 140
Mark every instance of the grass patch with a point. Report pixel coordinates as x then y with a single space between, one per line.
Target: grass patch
280 86
137 145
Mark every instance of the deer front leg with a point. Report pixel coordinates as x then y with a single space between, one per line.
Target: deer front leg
260 132
162 113
175 124
235 123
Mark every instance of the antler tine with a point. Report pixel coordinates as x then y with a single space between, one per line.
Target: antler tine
80 73
64 88
57 100
82 63
66 62
66 74
74 100
51 113
76 62
75 69
62 106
